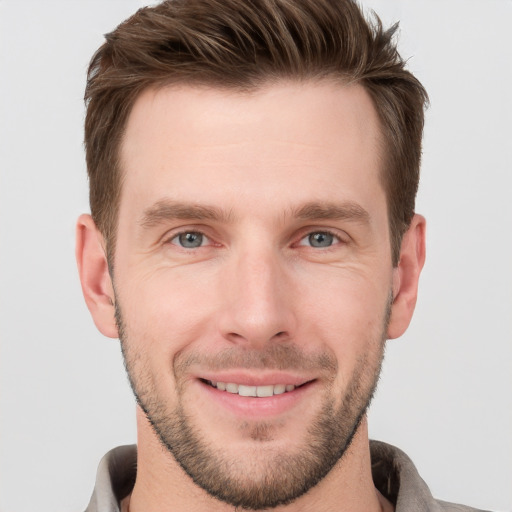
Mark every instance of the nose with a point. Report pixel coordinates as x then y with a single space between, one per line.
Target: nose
258 300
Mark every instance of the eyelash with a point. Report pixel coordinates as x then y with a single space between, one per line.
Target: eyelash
188 232
337 239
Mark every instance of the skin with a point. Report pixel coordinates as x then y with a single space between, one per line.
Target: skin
268 169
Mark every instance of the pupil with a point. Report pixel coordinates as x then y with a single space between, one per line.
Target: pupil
191 239
320 239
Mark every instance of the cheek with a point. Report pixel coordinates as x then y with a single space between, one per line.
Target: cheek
347 315
170 310
163 312
343 300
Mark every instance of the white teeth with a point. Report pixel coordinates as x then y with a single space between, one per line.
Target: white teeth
246 390
232 388
263 391
254 391
279 389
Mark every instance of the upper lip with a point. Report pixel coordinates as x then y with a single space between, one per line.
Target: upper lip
251 379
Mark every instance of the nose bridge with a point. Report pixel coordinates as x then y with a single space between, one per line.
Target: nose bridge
258 306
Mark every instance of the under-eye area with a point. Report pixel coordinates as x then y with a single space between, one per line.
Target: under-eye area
254 391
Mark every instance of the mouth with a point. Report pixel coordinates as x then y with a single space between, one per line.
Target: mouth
257 397
262 391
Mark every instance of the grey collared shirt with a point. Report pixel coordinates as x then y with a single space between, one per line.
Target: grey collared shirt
393 472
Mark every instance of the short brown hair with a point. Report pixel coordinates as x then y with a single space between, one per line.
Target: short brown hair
242 44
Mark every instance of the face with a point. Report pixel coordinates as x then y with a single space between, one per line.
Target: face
253 279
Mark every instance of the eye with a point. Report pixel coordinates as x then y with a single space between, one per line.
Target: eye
319 239
190 240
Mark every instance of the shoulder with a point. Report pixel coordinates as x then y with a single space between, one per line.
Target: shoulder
396 477
455 507
114 480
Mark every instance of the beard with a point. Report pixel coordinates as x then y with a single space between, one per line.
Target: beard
266 478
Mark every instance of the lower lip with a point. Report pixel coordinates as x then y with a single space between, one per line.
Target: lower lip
255 407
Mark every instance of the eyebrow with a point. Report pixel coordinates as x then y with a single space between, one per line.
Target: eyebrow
165 210
332 211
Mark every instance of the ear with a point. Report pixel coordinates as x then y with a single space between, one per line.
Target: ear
406 276
94 275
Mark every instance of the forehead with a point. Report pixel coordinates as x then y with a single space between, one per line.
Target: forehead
285 141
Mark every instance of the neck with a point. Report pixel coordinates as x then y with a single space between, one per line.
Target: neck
162 484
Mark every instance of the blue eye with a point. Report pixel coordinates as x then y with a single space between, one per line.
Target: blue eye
189 240
319 239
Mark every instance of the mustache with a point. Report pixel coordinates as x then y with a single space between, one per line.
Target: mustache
282 356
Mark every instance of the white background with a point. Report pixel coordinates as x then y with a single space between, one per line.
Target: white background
445 394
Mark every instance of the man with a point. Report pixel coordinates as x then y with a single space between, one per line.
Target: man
253 169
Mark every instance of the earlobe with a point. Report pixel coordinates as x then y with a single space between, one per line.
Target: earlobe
94 276
406 276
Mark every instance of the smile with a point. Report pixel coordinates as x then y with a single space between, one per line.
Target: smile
252 391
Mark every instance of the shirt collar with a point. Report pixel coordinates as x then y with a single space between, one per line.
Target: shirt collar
394 475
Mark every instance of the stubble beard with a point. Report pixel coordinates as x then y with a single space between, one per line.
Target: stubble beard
269 479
